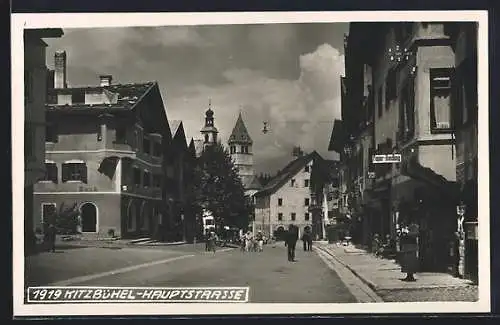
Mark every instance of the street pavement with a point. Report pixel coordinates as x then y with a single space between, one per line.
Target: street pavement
268 274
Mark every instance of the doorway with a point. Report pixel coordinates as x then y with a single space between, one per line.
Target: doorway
89 217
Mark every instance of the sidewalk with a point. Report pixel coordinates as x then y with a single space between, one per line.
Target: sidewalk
384 277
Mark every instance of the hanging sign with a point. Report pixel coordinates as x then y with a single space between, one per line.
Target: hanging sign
386 159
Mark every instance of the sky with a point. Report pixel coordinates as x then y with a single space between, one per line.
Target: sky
285 74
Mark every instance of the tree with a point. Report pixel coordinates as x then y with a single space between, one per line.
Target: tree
219 189
67 220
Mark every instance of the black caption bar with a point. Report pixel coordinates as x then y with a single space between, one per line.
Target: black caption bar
134 294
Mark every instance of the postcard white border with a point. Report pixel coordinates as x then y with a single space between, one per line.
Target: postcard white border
78 20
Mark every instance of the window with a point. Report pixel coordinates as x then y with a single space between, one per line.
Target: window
147 178
74 172
28 86
244 149
306 169
99 134
206 138
280 216
137 177
306 216
49 213
306 183
146 146
306 202
51 172
292 183
280 202
121 134
51 133
293 216
440 96
232 149
78 96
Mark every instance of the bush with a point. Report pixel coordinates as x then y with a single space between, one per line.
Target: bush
68 220
111 233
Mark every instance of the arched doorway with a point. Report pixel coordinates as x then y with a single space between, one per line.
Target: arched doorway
279 234
89 217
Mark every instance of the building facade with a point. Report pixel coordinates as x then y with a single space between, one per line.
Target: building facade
35 93
287 198
105 157
465 107
399 75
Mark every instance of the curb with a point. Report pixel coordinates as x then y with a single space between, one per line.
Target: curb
369 283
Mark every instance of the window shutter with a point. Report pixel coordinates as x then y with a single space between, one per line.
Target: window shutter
83 172
65 173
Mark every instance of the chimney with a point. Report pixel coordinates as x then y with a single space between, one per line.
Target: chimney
105 80
60 70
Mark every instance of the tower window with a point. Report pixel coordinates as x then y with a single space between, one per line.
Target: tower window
232 149
206 138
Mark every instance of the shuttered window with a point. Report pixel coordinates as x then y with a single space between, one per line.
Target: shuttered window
74 172
51 172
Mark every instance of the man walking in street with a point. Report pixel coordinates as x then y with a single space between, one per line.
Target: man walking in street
291 241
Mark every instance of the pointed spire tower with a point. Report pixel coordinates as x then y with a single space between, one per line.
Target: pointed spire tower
240 147
209 131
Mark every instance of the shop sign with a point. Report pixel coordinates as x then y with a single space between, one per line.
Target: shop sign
386 159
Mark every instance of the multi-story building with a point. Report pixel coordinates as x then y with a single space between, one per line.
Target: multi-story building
465 107
240 148
105 156
286 198
324 205
411 65
35 93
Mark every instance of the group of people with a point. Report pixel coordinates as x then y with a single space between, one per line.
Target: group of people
249 243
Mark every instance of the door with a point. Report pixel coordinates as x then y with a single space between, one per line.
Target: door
89 217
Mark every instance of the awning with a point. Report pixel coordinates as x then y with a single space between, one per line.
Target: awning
448 188
108 166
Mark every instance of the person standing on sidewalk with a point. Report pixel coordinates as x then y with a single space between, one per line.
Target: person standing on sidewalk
291 241
51 236
409 249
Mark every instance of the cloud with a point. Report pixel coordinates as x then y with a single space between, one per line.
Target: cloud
286 74
300 112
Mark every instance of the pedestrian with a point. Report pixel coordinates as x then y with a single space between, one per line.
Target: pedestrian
260 241
304 240
309 242
248 241
52 233
291 241
409 250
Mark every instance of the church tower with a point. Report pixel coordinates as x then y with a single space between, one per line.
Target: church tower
209 131
240 148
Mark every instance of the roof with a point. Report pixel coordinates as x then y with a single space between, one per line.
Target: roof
240 133
287 173
254 184
337 138
174 126
122 97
